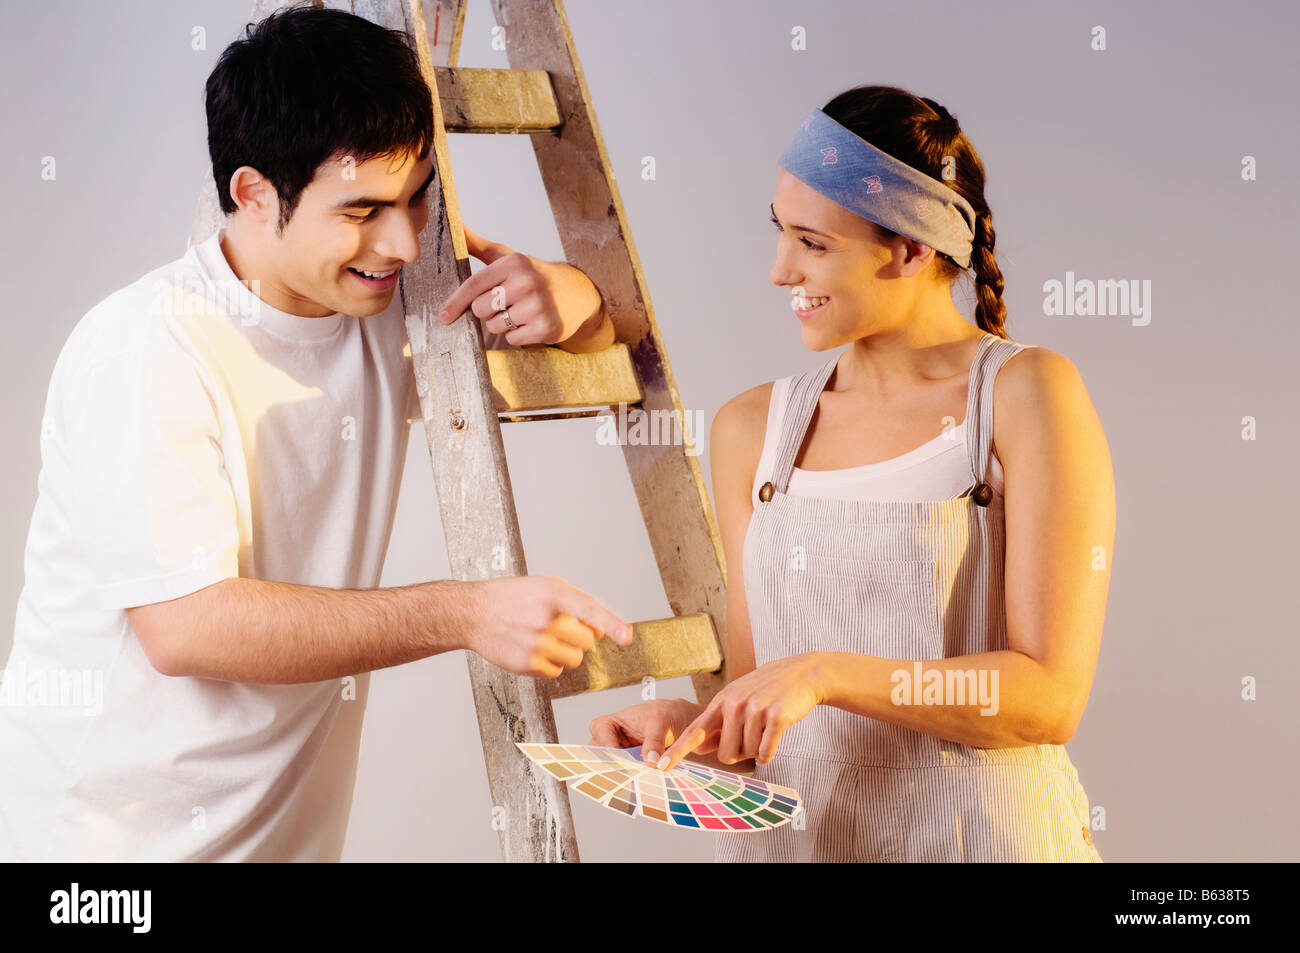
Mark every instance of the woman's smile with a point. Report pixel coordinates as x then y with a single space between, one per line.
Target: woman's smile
807 307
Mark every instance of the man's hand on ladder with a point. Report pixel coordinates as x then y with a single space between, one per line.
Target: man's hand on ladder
537 625
548 302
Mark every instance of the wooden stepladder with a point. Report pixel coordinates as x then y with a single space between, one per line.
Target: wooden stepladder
466 391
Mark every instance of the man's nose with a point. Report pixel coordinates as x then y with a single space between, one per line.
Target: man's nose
400 240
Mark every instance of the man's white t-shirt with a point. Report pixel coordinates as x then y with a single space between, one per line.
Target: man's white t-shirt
193 434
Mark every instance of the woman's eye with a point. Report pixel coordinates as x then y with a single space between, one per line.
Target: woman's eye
811 245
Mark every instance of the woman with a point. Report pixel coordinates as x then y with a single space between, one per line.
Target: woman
918 557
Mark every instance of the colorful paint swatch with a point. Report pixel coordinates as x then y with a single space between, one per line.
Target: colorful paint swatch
691 795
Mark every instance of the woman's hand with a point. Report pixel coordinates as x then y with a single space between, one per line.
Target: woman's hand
747 718
653 725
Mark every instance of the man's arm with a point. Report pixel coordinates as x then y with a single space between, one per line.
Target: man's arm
255 631
597 332
552 302
596 335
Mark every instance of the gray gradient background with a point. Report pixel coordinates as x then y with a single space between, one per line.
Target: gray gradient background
1121 164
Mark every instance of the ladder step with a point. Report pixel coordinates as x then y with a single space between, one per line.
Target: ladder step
497 100
662 648
545 378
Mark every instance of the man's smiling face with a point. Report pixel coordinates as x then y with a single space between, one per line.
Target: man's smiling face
352 218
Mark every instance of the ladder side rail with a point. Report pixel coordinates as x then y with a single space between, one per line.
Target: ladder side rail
475 498
594 231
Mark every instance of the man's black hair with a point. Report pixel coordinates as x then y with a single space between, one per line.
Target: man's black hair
305 85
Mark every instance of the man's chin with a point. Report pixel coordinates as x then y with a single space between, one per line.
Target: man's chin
364 307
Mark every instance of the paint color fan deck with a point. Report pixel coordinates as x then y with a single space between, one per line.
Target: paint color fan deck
691 795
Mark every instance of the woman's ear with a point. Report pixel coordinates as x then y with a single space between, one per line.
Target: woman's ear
912 256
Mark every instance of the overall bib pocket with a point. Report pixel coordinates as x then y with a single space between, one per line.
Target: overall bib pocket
869 606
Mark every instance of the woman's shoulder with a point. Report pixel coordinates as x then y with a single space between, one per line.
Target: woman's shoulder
1037 391
1027 373
742 420
736 437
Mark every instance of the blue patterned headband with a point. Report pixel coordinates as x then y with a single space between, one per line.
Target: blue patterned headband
854 174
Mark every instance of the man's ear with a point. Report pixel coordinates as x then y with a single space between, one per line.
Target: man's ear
254 195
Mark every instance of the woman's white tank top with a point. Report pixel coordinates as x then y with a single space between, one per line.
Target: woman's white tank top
936 470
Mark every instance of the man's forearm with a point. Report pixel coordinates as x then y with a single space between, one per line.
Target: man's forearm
580 294
596 335
255 631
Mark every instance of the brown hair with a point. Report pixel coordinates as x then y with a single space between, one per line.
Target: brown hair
921 133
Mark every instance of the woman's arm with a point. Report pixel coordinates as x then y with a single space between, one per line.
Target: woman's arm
1060 533
735 444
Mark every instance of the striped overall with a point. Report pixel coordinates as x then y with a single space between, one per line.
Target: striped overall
901 580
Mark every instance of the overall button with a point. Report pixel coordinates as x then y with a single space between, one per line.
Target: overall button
765 492
1087 837
983 494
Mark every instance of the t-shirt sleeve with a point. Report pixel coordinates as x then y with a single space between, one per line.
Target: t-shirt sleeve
151 501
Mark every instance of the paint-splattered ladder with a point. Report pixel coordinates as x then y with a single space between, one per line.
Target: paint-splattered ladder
466 391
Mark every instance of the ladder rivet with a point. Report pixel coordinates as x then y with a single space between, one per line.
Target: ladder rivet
458 421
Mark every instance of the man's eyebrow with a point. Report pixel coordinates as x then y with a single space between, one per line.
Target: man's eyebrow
365 202
800 228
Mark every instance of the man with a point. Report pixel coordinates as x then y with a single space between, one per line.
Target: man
221 456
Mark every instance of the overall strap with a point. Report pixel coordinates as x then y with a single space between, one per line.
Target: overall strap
805 390
993 352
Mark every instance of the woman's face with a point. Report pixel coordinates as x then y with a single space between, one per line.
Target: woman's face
838 269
